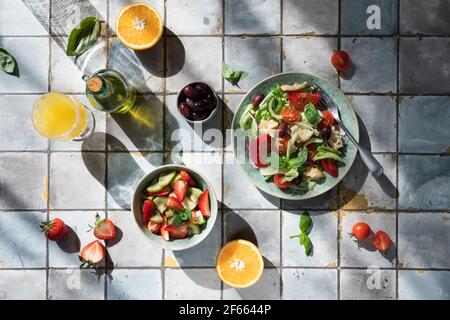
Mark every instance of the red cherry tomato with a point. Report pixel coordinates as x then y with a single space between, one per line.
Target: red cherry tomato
327 121
281 144
291 115
340 60
300 99
259 149
277 180
381 241
330 166
361 230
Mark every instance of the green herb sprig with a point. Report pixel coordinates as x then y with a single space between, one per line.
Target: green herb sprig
181 217
231 76
84 36
305 226
7 62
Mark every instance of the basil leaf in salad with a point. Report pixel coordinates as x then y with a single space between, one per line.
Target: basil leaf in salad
7 62
181 217
324 152
300 160
231 76
83 36
311 114
305 223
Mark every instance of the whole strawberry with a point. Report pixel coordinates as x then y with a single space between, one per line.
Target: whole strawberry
54 229
104 229
92 254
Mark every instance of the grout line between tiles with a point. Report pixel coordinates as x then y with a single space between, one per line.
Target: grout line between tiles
397 152
222 223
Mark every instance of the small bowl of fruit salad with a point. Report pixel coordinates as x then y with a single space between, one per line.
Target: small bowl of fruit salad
175 207
197 102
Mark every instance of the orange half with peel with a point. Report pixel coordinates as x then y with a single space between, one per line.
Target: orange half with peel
139 26
239 264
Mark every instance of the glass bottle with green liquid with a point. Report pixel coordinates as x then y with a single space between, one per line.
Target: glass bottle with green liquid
108 91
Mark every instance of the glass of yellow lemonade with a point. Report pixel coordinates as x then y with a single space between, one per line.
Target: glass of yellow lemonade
61 117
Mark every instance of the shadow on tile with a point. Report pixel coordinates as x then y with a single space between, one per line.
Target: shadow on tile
241 229
175 57
71 243
388 186
141 125
94 167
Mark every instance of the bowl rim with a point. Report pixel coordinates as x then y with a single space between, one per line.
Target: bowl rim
213 112
211 220
268 190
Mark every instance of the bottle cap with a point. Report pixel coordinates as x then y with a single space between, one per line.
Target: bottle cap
95 84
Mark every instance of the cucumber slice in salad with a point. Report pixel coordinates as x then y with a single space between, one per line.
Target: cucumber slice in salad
157 218
169 213
194 194
195 229
160 203
163 181
198 218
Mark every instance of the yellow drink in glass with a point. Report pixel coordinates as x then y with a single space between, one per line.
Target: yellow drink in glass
57 116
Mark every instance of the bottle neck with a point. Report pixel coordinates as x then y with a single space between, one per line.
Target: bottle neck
97 85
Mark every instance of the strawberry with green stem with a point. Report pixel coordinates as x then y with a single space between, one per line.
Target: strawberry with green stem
104 229
54 229
92 254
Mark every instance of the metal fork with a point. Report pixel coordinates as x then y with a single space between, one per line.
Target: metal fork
367 157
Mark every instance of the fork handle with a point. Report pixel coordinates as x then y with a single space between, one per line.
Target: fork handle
367 157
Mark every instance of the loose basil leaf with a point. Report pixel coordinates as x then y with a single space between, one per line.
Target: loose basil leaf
305 223
306 243
7 62
83 36
231 76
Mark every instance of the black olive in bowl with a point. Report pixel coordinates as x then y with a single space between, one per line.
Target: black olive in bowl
197 102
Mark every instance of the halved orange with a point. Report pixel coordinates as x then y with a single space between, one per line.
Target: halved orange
139 26
239 264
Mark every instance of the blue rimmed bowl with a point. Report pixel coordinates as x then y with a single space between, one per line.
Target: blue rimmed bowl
348 117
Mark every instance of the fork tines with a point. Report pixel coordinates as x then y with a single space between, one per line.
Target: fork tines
324 97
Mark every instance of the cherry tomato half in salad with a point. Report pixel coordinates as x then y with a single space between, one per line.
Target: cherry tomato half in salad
299 100
327 121
330 166
361 230
281 144
381 241
277 180
259 150
290 115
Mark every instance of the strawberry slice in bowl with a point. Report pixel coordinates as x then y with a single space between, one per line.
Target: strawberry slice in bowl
175 207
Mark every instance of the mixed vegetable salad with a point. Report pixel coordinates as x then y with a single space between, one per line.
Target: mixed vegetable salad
174 206
294 140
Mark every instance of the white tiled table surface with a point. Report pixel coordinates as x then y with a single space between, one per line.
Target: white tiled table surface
400 89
